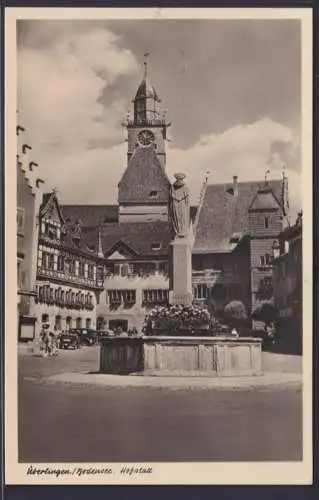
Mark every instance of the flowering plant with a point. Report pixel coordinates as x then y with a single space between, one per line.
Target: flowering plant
176 318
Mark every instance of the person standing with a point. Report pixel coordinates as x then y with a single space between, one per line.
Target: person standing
44 334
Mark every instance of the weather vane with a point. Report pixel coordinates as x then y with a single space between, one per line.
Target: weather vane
145 63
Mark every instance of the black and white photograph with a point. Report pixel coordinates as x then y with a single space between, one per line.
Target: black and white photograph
159 266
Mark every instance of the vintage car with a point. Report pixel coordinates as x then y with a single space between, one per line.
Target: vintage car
87 336
69 341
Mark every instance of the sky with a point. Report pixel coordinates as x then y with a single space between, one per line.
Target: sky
231 88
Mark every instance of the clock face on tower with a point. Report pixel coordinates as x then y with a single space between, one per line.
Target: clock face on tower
146 137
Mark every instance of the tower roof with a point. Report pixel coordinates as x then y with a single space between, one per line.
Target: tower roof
144 180
146 90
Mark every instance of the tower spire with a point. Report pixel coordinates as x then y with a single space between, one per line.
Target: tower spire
100 253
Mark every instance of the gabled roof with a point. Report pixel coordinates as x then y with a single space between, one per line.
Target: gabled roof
121 247
49 204
138 236
90 215
224 214
144 175
264 200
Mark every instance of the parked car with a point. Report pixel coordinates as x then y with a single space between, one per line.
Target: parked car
69 341
87 336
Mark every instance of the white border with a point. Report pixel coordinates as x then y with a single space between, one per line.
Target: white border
168 473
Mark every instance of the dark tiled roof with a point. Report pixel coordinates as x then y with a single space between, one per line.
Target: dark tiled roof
264 200
193 212
137 236
144 174
223 214
146 89
90 215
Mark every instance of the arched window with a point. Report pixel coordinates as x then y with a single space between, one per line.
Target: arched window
45 318
100 323
88 323
58 322
78 322
68 322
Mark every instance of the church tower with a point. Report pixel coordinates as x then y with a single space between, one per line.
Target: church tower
148 124
144 189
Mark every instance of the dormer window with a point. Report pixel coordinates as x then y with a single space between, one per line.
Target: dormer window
153 194
155 246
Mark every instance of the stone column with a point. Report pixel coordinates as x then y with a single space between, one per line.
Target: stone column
182 244
182 271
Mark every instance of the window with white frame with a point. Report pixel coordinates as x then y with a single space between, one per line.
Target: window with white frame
124 269
129 296
114 296
155 296
90 271
200 291
81 269
61 263
266 260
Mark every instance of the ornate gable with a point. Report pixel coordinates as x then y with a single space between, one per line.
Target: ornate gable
121 251
50 209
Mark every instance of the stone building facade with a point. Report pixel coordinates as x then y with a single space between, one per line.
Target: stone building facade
29 192
287 284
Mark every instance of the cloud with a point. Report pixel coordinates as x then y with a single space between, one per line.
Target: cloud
62 77
78 140
243 150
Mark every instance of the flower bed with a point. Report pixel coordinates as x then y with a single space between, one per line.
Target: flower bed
177 320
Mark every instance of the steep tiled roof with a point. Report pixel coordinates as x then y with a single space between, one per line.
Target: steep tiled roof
137 236
49 201
90 215
223 214
264 200
143 178
146 89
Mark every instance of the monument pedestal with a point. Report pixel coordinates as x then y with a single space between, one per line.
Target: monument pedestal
182 271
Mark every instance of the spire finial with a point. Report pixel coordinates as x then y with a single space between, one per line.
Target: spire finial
145 63
266 175
283 171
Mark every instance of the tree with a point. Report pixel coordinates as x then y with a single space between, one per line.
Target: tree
235 314
265 311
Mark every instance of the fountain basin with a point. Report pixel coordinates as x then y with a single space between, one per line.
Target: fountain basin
219 356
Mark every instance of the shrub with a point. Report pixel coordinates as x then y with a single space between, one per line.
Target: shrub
265 311
235 314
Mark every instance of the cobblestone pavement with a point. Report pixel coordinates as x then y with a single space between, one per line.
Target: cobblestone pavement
74 422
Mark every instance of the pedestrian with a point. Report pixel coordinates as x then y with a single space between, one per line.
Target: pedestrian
53 345
235 333
45 339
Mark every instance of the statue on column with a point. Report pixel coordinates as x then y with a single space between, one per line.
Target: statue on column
180 206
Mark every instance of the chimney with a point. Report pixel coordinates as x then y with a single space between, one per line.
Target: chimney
235 183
